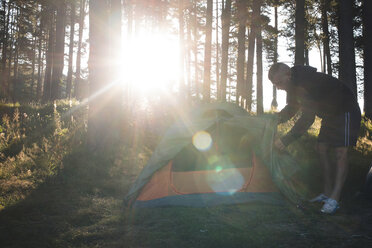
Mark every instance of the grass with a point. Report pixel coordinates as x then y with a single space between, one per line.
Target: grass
76 200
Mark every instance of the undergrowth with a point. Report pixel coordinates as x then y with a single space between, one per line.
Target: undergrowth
37 142
33 141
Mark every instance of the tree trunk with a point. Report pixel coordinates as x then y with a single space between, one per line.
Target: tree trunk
4 80
33 66
260 109
78 83
3 32
242 17
98 21
327 50
71 51
59 50
181 33
367 34
188 65
195 48
115 94
16 56
347 70
208 52
10 55
40 66
103 124
300 32
218 55
115 37
248 91
49 58
274 103
307 62
226 19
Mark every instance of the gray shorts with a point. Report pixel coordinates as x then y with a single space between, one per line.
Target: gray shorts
341 130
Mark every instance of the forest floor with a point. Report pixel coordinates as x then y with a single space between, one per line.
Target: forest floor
81 205
79 209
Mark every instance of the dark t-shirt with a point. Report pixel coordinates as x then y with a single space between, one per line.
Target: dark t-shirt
314 93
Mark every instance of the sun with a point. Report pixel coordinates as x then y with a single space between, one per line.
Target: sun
151 62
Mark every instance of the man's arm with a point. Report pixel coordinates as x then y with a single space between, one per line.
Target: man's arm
290 109
288 112
301 126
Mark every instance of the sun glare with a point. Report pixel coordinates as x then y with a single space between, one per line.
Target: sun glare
151 63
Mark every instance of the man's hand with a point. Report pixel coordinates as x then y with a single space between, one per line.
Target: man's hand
279 145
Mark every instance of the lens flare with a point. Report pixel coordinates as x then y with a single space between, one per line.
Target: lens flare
202 141
226 181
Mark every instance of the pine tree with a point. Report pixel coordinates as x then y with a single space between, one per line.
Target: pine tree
208 52
71 50
347 69
242 18
259 84
59 51
226 19
367 41
300 32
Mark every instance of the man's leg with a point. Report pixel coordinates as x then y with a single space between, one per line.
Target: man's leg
341 171
323 149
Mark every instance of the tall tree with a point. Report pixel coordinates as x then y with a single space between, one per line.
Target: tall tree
242 18
226 19
195 47
115 37
40 64
327 52
367 41
347 69
4 79
248 90
49 55
71 50
188 65
98 25
274 103
300 32
59 50
33 66
217 53
181 26
17 39
11 45
208 52
260 109
78 84
103 116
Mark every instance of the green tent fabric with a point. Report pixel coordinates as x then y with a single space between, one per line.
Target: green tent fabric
261 130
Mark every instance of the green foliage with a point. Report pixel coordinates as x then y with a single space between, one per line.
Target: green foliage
33 141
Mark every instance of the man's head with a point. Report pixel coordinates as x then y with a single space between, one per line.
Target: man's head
280 75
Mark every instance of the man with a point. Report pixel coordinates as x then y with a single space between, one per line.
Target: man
318 94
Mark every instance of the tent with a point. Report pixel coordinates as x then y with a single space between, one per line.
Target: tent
216 154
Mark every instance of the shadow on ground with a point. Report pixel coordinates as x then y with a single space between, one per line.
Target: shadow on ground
82 207
78 207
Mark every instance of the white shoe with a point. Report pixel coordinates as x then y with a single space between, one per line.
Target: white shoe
319 198
330 206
